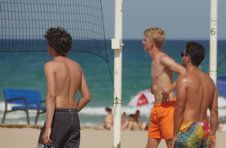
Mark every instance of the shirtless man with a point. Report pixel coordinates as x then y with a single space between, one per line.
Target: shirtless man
64 78
196 93
162 68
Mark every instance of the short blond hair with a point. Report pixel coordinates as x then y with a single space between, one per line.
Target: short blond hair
156 34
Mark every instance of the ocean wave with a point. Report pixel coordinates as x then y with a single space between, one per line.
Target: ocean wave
101 110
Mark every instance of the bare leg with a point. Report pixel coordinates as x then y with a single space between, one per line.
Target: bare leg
153 143
169 143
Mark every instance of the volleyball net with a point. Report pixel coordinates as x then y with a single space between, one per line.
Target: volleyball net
24 23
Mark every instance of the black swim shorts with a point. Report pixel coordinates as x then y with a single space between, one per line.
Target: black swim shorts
65 130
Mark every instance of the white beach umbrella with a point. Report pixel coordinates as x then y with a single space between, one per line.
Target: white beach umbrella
142 98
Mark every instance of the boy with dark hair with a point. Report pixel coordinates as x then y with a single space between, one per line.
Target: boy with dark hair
64 77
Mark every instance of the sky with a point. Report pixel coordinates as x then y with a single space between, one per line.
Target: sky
181 19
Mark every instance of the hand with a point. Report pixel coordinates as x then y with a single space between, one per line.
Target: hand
165 93
46 136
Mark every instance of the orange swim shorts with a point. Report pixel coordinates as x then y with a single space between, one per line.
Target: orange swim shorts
161 120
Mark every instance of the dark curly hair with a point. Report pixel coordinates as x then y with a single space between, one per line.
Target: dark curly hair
59 39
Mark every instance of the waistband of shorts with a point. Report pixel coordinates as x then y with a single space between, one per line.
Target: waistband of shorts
171 102
65 110
199 123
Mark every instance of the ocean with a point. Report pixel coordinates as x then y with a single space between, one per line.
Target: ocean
25 70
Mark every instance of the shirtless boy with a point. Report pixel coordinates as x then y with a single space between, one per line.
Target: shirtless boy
162 68
64 78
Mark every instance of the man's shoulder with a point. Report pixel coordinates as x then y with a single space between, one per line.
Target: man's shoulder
49 66
183 78
75 64
190 76
164 58
199 76
50 63
163 55
206 77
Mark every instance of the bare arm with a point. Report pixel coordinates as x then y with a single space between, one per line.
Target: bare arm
181 86
214 114
50 100
85 94
174 67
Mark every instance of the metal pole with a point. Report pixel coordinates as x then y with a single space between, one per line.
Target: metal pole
213 40
117 46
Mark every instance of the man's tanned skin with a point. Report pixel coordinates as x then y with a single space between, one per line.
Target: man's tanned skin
162 69
64 78
196 92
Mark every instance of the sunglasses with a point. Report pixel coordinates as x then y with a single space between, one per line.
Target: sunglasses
182 54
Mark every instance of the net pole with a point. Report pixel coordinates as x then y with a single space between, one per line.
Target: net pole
213 40
117 47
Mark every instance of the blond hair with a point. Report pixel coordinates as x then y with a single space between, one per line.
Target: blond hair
155 34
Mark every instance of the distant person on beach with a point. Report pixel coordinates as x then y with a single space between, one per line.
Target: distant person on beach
141 125
132 123
162 68
196 93
108 120
64 78
124 121
137 118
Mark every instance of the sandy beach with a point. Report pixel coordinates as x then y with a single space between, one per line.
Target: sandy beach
26 137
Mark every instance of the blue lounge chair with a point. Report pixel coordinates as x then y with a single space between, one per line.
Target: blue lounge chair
24 100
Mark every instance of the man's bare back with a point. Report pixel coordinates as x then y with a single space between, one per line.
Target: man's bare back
200 94
64 78
68 77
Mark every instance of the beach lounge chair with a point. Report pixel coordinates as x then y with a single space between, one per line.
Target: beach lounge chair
23 100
